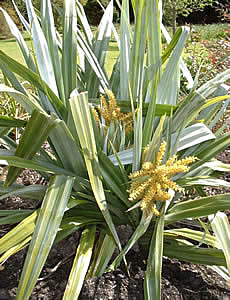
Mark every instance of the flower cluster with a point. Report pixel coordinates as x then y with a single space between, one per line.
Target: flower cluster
152 182
111 112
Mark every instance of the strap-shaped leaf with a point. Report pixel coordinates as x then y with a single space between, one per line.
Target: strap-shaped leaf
39 165
26 101
14 249
6 121
67 149
191 234
195 255
34 79
221 228
80 264
152 282
210 149
83 123
138 50
103 255
69 53
48 27
36 132
35 191
125 44
197 208
13 216
19 233
47 225
20 41
43 58
113 178
100 48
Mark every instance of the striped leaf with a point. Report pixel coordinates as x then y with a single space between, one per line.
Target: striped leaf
30 143
197 208
221 228
46 228
80 264
82 119
152 282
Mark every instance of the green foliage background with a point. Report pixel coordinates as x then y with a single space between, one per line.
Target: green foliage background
92 8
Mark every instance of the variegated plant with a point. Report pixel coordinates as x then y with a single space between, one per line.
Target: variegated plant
124 150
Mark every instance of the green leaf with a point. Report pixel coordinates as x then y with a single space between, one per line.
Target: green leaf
31 142
14 66
170 75
13 216
82 119
26 101
38 165
172 43
210 149
35 191
212 85
80 264
19 233
41 49
125 43
221 228
197 208
13 250
67 149
195 255
217 166
192 135
47 225
103 256
152 282
113 178
6 121
191 234
20 41
138 50
48 26
69 50
100 47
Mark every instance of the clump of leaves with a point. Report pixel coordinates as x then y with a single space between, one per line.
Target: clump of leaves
93 164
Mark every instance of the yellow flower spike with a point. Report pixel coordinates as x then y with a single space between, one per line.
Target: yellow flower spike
152 182
161 153
171 160
95 114
111 112
155 211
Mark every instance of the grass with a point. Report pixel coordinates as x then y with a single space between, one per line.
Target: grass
11 48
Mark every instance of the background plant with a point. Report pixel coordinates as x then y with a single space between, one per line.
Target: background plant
171 9
91 161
